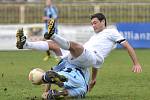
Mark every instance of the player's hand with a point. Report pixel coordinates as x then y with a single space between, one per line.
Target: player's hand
45 18
44 96
92 84
137 68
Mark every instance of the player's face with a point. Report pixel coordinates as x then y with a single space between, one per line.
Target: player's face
98 25
48 2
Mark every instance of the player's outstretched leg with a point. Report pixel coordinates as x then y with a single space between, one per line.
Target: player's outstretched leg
21 39
55 78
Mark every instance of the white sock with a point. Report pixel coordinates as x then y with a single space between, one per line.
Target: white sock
63 43
39 45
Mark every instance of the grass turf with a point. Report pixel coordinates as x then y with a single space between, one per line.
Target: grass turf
115 80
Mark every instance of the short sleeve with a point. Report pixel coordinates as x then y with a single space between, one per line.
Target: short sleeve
115 35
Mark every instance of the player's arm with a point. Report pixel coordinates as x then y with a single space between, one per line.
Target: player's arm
136 65
93 81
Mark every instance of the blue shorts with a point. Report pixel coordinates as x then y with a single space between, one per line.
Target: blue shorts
76 85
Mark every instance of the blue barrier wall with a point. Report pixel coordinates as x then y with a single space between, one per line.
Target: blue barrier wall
137 34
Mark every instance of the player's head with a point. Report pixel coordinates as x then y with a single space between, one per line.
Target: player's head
48 2
98 22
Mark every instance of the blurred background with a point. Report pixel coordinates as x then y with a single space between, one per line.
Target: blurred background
116 81
131 17
75 11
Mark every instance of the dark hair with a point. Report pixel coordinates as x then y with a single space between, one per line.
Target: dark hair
100 17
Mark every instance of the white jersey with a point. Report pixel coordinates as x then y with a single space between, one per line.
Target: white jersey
95 50
103 42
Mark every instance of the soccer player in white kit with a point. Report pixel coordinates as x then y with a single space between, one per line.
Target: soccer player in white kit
94 51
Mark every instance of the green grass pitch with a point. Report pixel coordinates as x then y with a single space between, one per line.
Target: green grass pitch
115 80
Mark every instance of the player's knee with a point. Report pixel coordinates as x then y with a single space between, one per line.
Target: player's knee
74 45
76 49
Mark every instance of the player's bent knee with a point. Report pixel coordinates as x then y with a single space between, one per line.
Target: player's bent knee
76 49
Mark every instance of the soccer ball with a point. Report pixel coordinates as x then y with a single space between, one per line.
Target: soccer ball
35 76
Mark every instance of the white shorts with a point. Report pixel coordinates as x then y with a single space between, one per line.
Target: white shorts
87 59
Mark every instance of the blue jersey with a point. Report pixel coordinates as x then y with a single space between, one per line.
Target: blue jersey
77 78
51 12
64 64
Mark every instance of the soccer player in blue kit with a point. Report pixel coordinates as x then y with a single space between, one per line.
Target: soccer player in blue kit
50 11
